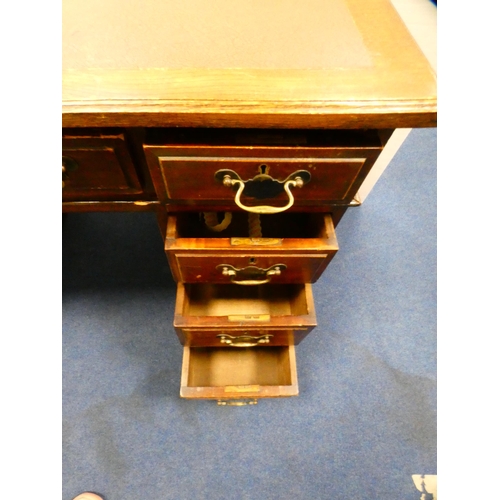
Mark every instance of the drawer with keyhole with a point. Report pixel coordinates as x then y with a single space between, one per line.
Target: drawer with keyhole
290 248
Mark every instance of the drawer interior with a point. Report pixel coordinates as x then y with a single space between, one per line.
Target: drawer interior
206 299
220 367
282 225
265 137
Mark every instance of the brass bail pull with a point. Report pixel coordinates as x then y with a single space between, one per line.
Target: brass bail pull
263 186
251 275
236 402
244 340
265 209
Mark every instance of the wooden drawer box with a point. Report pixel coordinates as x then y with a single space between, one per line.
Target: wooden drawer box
98 167
332 167
242 310
227 374
239 340
296 248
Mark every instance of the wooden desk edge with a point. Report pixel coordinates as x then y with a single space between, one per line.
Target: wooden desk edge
420 114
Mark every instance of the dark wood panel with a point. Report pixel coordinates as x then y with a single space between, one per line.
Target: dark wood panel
218 338
98 168
250 267
188 174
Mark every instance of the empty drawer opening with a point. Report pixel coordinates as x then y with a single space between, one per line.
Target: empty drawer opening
283 225
219 367
227 300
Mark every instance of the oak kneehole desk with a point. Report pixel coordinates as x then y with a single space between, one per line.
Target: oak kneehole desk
248 128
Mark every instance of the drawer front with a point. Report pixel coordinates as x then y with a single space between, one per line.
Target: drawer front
227 374
237 339
197 175
250 270
98 168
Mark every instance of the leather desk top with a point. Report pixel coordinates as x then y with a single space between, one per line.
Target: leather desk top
250 63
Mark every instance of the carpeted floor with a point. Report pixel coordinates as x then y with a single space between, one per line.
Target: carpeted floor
365 419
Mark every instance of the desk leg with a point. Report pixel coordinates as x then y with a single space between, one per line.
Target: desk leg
161 217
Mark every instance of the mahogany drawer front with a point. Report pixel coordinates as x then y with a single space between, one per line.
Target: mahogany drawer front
227 374
240 338
223 258
189 175
243 309
98 168
250 270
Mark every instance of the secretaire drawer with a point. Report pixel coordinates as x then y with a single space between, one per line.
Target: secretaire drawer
316 168
232 375
253 310
293 248
98 167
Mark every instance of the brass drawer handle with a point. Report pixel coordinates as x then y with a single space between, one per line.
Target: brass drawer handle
263 186
244 340
253 272
236 402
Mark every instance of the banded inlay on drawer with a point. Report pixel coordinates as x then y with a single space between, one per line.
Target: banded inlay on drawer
318 168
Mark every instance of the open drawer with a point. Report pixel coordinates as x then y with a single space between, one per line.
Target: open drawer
238 311
292 248
238 376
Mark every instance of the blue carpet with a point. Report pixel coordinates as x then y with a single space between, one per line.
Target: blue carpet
365 419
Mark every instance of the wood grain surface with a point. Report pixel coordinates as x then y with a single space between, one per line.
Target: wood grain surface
368 73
